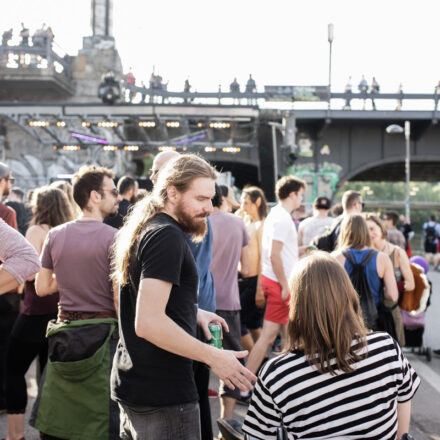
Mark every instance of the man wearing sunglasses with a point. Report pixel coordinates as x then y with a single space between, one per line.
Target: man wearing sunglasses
78 253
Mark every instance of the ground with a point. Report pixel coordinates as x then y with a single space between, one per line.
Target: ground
425 420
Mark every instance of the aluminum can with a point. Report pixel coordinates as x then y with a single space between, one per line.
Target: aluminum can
217 335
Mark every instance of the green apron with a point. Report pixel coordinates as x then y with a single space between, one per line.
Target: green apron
74 400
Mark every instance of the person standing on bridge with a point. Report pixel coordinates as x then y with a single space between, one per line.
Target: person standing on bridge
251 88
375 88
348 91
234 89
363 89
24 35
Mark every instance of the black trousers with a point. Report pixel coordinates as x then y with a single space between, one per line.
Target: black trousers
7 319
19 357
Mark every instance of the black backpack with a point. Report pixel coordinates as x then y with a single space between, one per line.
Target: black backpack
359 280
327 240
431 234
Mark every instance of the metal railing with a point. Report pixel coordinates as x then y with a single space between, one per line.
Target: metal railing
44 50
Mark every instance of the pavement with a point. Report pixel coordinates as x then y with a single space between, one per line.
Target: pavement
425 416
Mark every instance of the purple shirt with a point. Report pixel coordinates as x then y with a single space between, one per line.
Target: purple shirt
229 237
19 257
79 254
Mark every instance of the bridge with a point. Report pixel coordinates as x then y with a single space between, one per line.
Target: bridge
245 140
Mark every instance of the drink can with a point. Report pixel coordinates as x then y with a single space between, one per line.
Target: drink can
217 335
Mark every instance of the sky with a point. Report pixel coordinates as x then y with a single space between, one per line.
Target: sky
281 42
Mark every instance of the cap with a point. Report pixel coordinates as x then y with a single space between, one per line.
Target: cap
322 203
4 170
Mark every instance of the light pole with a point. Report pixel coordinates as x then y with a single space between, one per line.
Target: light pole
394 128
330 41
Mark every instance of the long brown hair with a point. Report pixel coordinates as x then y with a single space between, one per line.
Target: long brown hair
354 233
325 314
376 219
179 172
66 187
51 207
254 194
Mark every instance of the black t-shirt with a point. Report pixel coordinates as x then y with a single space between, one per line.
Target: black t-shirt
144 374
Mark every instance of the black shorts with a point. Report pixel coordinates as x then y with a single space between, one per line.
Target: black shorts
430 248
251 316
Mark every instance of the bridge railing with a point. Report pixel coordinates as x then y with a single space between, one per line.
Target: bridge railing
252 98
43 50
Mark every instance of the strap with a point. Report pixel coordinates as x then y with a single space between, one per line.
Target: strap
370 255
364 262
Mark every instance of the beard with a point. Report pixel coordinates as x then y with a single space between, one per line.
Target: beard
196 226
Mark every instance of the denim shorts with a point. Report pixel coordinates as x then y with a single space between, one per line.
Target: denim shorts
177 422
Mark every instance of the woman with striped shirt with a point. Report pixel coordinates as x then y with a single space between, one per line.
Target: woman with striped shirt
335 380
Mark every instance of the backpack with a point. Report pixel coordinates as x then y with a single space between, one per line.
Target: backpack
359 280
431 234
327 240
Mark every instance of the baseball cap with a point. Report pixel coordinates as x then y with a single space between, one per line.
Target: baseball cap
322 203
4 170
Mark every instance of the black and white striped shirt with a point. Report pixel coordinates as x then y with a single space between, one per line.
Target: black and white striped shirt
357 405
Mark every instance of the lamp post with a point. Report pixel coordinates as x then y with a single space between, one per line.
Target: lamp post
330 41
407 131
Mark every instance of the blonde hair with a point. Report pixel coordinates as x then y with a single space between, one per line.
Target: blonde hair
178 172
325 314
354 233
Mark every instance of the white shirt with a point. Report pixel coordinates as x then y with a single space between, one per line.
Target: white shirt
279 226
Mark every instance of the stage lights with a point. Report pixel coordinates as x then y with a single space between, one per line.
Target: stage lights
210 149
167 148
231 150
108 124
110 147
131 147
148 124
61 124
38 123
173 124
220 125
85 124
71 147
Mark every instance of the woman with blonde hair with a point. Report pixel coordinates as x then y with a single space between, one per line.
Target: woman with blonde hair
28 338
335 379
401 268
354 249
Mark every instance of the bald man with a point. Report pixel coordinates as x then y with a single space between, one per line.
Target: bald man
160 161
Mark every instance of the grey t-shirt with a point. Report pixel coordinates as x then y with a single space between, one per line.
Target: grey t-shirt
313 226
229 237
79 254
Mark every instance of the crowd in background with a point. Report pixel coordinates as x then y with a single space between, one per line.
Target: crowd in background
251 261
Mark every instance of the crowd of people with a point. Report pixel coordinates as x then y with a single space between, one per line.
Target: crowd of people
113 290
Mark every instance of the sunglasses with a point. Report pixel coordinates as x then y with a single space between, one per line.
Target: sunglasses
114 192
152 172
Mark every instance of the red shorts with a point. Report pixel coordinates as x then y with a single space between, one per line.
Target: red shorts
277 310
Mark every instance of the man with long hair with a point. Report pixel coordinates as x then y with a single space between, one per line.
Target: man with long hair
152 376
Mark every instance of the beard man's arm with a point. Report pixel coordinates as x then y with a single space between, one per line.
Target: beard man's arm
152 324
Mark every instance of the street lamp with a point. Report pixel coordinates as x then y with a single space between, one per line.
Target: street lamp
392 129
330 41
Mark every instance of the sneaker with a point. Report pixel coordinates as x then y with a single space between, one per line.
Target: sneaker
230 429
244 400
212 393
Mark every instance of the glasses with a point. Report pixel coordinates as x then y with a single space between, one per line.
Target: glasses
114 192
11 179
152 172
